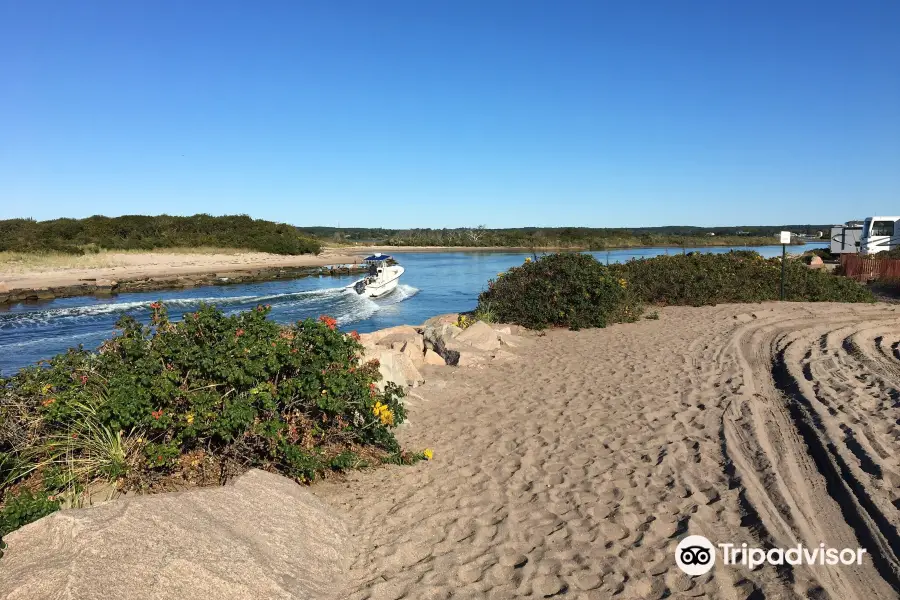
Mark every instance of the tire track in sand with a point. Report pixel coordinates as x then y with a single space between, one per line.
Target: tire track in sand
793 434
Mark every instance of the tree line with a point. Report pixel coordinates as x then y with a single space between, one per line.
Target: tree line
139 232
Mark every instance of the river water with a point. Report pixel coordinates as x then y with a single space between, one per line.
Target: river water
434 283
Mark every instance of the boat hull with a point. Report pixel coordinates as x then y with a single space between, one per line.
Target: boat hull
377 289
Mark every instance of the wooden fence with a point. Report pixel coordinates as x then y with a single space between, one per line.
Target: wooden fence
865 268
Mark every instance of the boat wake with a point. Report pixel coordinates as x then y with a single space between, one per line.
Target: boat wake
347 308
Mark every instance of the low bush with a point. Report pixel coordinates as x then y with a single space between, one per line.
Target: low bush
823 253
742 276
569 290
197 400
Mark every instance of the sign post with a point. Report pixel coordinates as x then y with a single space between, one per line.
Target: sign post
785 240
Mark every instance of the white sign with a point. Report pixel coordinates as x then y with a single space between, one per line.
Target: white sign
785 237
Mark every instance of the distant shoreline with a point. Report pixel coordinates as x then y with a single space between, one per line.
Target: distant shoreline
410 249
149 271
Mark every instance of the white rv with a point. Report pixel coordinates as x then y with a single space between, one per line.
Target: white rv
880 234
845 239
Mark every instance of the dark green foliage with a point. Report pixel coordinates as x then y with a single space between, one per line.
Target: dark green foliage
23 508
239 389
707 279
138 232
570 290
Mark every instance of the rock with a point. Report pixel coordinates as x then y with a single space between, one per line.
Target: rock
441 337
433 358
44 294
502 329
479 335
395 367
4 289
262 537
413 352
816 262
398 340
448 319
400 332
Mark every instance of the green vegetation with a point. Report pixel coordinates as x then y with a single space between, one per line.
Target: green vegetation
568 290
137 232
704 279
192 401
583 238
574 290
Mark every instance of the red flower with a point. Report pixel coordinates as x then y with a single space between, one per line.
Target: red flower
84 379
331 322
155 305
157 414
239 333
355 335
293 351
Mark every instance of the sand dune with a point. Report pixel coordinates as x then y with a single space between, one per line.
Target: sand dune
574 469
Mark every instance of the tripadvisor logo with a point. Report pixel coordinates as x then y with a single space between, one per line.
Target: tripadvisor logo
696 555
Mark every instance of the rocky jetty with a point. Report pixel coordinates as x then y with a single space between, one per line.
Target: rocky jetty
403 351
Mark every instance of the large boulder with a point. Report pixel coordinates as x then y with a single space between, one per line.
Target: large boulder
398 341
448 319
262 537
398 332
480 336
433 358
395 367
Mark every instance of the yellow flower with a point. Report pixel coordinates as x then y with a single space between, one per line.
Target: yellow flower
499 274
190 418
383 413
428 454
527 259
623 283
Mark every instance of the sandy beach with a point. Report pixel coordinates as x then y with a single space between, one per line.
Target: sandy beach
573 468
123 266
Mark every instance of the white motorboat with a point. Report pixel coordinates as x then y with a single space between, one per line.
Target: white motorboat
382 278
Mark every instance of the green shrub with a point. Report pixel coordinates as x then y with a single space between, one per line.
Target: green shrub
823 253
24 508
744 276
569 290
240 390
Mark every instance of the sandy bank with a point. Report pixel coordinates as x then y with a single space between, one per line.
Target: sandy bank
152 264
150 271
576 467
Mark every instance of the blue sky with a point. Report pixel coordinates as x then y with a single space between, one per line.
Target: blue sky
406 113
